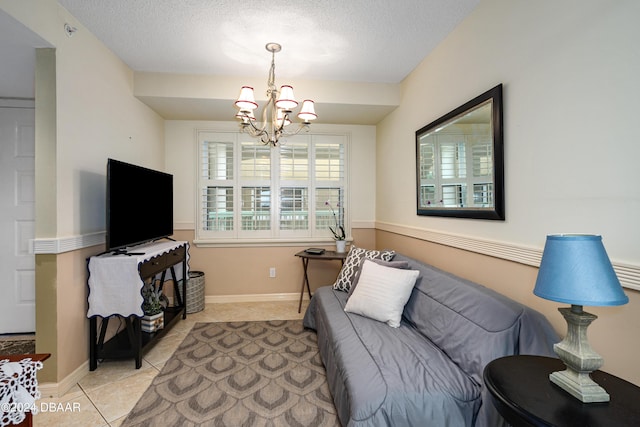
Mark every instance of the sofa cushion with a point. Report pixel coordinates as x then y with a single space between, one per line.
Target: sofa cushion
382 293
352 264
459 315
369 365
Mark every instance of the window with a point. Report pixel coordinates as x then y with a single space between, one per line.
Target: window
255 193
450 157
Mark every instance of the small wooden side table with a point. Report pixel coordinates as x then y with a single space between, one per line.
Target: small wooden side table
305 257
524 395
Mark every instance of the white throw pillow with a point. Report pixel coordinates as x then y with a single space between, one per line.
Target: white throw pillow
382 293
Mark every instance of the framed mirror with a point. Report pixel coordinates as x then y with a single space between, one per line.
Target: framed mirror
460 161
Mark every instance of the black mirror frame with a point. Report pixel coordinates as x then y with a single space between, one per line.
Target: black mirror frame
498 211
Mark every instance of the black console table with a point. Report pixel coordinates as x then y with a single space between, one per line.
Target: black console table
115 284
524 396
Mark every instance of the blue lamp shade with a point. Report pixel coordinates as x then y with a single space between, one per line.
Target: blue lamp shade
575 269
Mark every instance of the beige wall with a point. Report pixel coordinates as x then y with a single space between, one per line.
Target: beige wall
96 116
85 112
612 335
72 323
569 70
244 272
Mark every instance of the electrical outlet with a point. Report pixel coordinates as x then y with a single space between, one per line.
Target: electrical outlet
272 272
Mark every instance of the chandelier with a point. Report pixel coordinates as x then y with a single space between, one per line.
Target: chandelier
276 115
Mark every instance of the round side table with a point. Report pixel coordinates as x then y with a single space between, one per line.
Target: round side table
524 396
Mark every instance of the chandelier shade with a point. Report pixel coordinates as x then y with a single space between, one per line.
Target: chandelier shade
286 100
308 111
276 114
246 101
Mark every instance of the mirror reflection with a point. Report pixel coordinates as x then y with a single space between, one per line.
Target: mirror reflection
459 161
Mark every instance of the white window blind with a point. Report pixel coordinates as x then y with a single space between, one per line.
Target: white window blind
256 208
254 192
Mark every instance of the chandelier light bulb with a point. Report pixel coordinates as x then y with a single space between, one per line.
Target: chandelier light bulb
245 116
282 117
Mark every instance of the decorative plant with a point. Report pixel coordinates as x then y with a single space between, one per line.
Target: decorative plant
337 230
152 296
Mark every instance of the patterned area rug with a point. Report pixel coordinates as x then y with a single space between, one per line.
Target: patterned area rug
240 374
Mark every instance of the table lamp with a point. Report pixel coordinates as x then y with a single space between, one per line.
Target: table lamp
576 270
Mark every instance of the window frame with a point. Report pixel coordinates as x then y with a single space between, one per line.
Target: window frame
274 236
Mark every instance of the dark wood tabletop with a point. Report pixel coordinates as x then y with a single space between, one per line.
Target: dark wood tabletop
325 255
524 396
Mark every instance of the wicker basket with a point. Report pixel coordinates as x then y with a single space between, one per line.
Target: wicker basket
195 292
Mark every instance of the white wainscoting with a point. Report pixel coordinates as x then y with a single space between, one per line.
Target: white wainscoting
58 245
629 275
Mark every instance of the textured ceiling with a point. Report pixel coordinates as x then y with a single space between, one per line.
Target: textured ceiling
368 41
347 40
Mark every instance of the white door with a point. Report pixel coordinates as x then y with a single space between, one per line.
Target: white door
17 220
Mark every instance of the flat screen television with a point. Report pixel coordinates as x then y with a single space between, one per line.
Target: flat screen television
139 205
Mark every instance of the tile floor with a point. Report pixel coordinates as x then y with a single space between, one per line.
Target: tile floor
105 396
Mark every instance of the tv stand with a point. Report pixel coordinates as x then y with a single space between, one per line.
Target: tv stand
115 285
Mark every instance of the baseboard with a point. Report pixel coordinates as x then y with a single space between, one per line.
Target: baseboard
209 299
222 299
59 389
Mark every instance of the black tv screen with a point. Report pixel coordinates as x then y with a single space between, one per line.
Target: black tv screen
139 205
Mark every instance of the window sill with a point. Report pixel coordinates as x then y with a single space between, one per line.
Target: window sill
252 243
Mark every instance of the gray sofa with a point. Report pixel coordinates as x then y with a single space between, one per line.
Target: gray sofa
427 372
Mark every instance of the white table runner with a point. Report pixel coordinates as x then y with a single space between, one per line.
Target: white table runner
114 280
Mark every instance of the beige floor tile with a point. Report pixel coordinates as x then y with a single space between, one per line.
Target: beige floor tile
117 422
182 327
232 312
163 349
108 372
116 405
78 411
73 393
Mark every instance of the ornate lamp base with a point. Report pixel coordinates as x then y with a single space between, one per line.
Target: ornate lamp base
579 357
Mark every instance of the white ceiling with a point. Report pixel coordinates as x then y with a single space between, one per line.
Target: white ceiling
375 41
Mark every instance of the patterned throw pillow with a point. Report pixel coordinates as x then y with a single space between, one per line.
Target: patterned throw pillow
354 262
